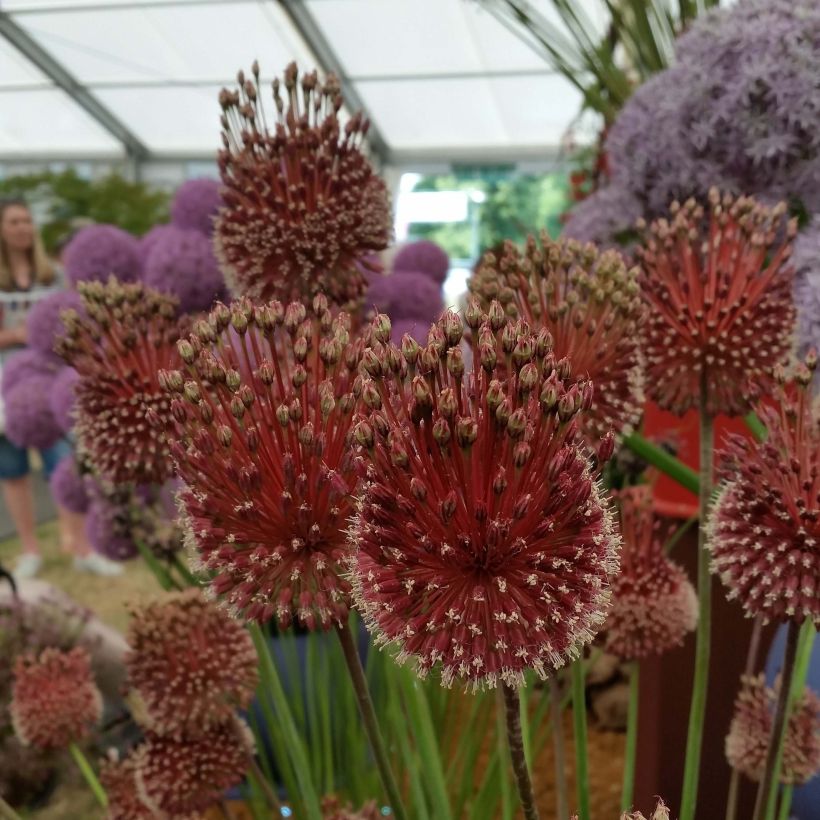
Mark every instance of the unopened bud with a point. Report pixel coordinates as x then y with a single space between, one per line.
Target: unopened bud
239 322
499 482
364 435
372 363
455 362
453 328
441 432
563 368
566 406
447 404
466 431
409 348
503 412
246 395
173 381
521 453
371 396
224 435
422 394
186 351
300 349
282 415
299 376
447 508
523 352
606 448
473 315
528 378
495 394
381 328
517 424
487 356
496 316
295 410
418 489
192 392
206 412
265 373
543 343
587 392
237 408
233 380
306 434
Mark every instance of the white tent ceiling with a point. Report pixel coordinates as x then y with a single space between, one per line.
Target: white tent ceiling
440 79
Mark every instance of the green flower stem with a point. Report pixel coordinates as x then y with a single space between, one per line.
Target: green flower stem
88 773
756 426
631 736
369 720
512 713
666 463
579 717
786 803
7 812
556 707
697 709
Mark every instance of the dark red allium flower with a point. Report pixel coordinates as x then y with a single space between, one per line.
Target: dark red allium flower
262 440
590 303
54 701
129 334
302 204
484 543
764 527
654 605
118 779
191 665
750 733
719 293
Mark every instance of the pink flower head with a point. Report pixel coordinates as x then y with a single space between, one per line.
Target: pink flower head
302 203
484 543
654 605
718 291
262 441
118 778
590 304
55 701
750 733
764 528
191 665
128 335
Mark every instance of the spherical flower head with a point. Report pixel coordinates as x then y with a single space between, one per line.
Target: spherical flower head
415 328
118 779
182 263
764 527
55 701
99 252
191 665
806 263
148 240
44 323
720 314
108 527
29 420
750 733
25 364
654 605
63 397
128 335
178 777
262 441
68 486
302 203
607 217
196 204
409 296
424 257
484 545
589 303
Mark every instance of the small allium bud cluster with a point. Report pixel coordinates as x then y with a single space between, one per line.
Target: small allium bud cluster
764 528
55 701
484 543
654 604
590 303
750 733
718 289
128 334
262 440
302 204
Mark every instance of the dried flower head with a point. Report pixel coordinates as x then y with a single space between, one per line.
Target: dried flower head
302 203
334 809
590 304
128 335
720 309
262 441
191 665
764 528
661 813
750 733
55 701
118 779
484 543
654 605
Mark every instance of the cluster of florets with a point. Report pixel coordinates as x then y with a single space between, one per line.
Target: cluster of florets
590 304
720 314
127 335
262 440
484 545
302 204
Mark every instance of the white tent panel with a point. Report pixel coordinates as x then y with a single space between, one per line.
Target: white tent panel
16 70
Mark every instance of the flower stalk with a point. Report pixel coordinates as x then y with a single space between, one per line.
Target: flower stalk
556 708
512 713
579 716
631 736
88 774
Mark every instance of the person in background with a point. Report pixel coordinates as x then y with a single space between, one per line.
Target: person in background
27 274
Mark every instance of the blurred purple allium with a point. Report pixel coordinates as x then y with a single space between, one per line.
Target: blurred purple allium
182 263
196 204
108 530
406 296
100 251
20 366
148 240
424 257
806 261
29 420
44 324
417 328
63 397
68 486
604 215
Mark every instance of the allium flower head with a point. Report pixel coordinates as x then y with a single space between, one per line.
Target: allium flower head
424 257
68 486
191 665
128 335
108 526
118 778
302 203
484 543
604 217
29 420
26 363
764 528
751 728
406 296
55 701
661 813
589 303
147 242
806 263
44 323
263 443
196 204
101 251
62 397
334 809
718 289
654 605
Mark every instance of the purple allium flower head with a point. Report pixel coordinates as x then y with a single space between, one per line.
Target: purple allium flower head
423 257
63 397
417 328
20 366
196 204
182 263
100 251
68 487
603 216
406 296
806 261
44 322
108 531
29 420
148 240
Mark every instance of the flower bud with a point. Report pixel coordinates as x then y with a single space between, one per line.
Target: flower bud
265 373
224 435
299 376
409 348
495 394
521 453
364 435
371 396
422 394
528 378
306 434
517 424
233 380
381 328
453 328
447 403
466 431
441 432
455 362
282 415
487 356
192 393
186 351
503 412
473 315
300 349
372 363
496 316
